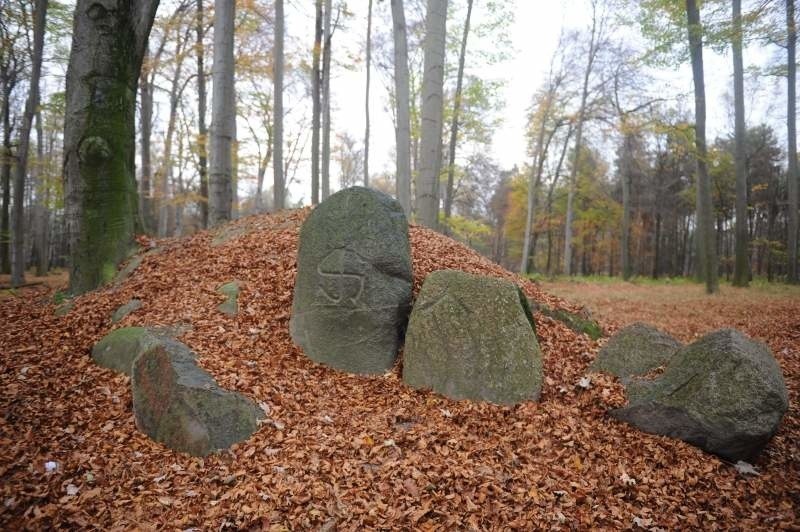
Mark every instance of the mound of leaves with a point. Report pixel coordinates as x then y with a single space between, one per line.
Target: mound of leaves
339 451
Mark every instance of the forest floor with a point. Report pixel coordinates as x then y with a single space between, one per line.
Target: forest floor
350 452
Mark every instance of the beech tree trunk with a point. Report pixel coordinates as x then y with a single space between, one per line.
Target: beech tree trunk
146 131
625 242
6 158
366 97
427 189
21 169
202 130
277 149
741 272
791 117
223 116
706 243
42 223
316 103
326 103
401 88
451 163
99 143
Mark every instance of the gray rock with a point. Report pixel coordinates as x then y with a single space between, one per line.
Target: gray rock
177 403
118 349
231 304
353 290
634 351
131 306
723 393
470 337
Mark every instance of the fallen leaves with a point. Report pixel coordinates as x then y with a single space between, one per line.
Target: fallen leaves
341 451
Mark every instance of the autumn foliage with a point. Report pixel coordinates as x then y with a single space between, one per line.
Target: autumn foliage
341 451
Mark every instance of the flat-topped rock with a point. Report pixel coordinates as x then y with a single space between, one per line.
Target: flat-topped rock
352 294
472 337
177 403
724 393
118 349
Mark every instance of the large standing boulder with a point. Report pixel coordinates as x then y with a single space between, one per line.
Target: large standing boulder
723 393
634 351
118 349
353 289
177 403
471 337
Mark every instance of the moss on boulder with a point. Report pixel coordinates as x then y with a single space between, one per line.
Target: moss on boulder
118 349
231 292
724 393
634 351
470 337
177 403
579 323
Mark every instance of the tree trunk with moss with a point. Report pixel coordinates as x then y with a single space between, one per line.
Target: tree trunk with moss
108 43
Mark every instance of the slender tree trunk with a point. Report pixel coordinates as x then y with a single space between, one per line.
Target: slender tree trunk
625 244
791 117
366 98
403 131
741 274
451 163
6 159
326 101
705 233
20 171
593 47
99 143
202 130
534 182
277 163
145 134
223 116
42 203
427 190
316 104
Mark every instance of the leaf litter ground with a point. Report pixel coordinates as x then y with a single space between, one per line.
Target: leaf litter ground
340 451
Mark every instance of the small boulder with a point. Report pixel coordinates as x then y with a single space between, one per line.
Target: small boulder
131 306
118 349
177 403
231 304
634 351
471 337
724 393
353 290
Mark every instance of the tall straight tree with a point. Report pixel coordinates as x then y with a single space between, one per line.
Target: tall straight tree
451 162
326 102
99 142
202 103
146 87
741 271
277 146
401 90
430 165
366 97
791 148
18 237
316 103
223 116
595 40
706 243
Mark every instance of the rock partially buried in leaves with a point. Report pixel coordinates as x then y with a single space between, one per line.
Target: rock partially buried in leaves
723 393
131 306
634 351
177 403
231 304
118 349
470 337
353 289
578 322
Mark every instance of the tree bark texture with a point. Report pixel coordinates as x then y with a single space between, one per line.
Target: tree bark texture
202 130
791 123
316 104
277 149
401 84
326 102
366 97
741 272
108 42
